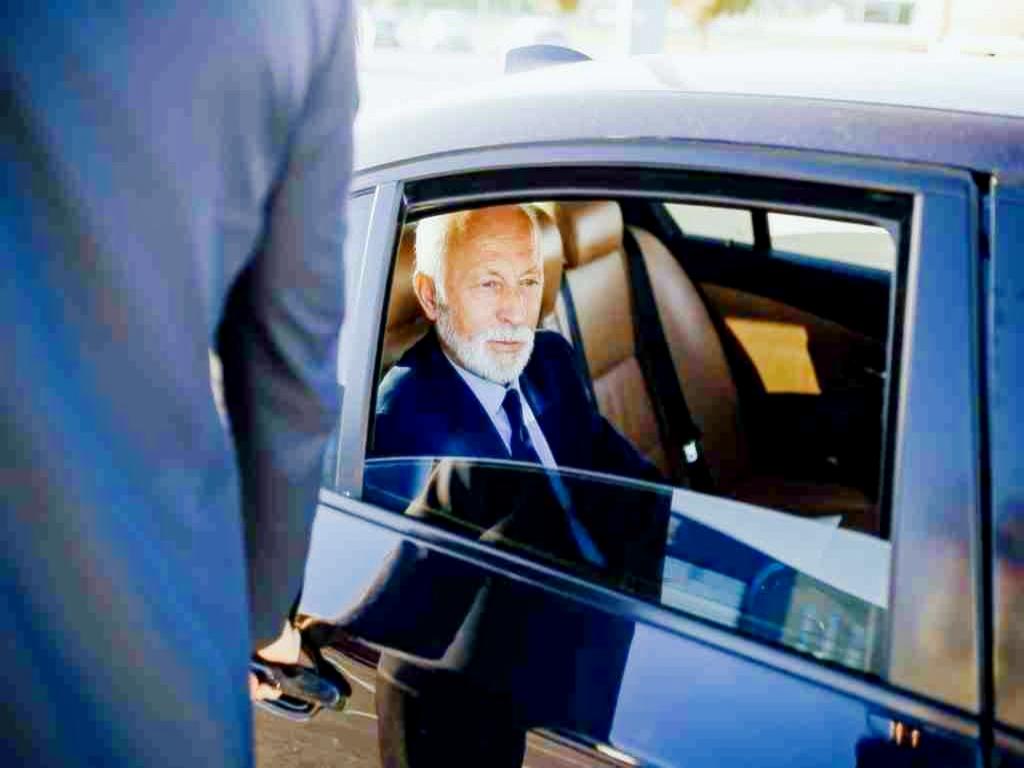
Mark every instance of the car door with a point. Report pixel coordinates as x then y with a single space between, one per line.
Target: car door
727 648
1004 322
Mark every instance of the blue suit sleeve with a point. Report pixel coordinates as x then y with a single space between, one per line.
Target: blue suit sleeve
278 338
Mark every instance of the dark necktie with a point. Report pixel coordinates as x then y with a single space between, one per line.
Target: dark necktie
521 448
520 445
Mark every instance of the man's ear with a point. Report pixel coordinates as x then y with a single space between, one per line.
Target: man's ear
426 294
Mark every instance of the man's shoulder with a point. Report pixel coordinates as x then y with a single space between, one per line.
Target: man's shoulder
552 356
551 344
410 379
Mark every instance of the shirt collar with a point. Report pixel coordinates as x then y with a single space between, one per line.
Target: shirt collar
490 394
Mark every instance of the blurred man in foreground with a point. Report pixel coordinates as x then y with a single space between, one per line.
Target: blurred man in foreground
175 177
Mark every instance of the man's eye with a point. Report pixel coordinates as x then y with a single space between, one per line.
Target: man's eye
489 284
530 282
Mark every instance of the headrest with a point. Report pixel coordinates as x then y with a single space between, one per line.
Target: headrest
589 230
403 307
552 257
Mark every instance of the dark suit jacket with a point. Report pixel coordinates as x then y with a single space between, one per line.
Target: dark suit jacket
552 662
424 408
174 179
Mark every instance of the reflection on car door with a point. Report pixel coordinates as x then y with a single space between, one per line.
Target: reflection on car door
533 653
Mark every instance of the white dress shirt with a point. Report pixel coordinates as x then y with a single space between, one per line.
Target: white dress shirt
491 395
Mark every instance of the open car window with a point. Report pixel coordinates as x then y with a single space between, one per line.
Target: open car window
784 365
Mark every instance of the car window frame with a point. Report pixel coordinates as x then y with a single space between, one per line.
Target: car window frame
940 195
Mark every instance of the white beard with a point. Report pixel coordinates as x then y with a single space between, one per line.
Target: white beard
473 355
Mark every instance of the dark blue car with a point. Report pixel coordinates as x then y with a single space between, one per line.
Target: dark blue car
822 269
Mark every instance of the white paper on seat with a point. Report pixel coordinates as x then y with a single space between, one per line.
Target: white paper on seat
850 561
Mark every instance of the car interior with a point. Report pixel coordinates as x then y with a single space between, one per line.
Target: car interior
778 356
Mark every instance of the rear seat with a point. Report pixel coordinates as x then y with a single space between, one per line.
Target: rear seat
597 279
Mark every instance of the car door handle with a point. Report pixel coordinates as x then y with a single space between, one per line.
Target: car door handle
303 691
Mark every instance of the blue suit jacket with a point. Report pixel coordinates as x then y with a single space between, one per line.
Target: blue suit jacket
508 642
174 179
424 408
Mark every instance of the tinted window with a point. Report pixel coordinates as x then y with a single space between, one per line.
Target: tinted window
799 583
861 245
730 224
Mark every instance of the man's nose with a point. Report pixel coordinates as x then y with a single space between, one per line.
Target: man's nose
512 307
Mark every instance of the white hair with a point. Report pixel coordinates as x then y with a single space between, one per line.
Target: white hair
433 237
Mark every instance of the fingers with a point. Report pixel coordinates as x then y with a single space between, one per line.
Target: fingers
261 691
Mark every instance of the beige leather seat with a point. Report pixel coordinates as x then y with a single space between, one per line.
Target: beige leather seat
598 279
406 324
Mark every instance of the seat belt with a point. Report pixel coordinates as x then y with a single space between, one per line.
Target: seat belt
655 357
579 354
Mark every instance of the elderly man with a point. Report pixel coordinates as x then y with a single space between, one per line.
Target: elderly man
485 383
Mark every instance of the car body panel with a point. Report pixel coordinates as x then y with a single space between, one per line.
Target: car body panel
637 100
937 560
1005 350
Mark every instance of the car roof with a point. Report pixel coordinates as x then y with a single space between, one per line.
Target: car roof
959 111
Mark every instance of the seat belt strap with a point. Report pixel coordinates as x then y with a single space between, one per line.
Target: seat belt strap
579 354
655 357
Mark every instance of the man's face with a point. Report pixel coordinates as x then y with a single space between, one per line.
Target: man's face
493 286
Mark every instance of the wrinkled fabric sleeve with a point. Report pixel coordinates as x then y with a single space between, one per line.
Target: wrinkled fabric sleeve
279 334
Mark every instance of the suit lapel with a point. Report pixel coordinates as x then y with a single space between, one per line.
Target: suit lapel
472 429
548 415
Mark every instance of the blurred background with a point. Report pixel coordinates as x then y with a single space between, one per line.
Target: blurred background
411 49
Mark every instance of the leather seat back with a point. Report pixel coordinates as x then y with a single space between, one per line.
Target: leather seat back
406 323
598 279
700 362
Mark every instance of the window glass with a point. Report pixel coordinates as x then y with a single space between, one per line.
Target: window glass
861 245
799 583
732 224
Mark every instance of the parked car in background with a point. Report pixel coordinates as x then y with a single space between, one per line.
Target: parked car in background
833 261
